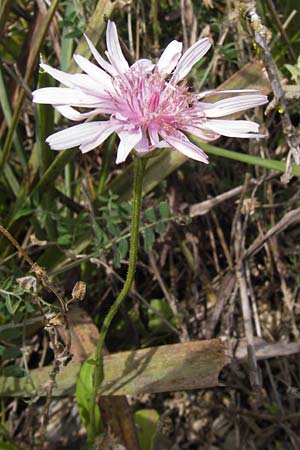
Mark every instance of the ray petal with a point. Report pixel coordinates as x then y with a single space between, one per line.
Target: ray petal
189 59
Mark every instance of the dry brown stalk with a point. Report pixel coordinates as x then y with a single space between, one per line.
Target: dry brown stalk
290 218
61 352
259 31
173 302
189 365
239 235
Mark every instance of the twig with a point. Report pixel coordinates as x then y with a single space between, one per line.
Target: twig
288 219
282 272
281 29
222 239
184 337
61 353
130 34
249 8
213 245
184 30
202 208
285 25
239 233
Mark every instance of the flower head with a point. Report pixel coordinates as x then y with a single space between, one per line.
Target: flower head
148 105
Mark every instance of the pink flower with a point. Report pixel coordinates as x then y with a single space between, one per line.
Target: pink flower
148 105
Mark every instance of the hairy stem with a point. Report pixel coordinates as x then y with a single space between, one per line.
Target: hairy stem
139 165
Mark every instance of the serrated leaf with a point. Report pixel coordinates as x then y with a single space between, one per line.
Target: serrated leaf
123 248
150 214
164 210
149 239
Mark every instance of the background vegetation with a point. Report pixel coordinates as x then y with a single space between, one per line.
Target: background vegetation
70 214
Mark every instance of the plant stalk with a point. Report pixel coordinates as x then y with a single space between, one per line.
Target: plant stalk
139 169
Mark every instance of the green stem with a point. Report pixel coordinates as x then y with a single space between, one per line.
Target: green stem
271 164
139 166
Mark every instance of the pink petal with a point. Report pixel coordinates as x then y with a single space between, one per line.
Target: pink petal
128 140
169 57
101 61
64 96
76 80
153 135
142 146
114 52
205 135
105 130
143 64
225 92
74 136
234 128
233 105
94 72
72 114
187 148
190 57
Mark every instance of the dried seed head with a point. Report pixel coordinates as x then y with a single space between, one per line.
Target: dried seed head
28 283
79 291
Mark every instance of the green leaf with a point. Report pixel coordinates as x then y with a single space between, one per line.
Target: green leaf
146 421
56 168
98 232
123 248
13 371
64 240
44 125
12 302
116 258
8 446
11 353
295 72
35 50
23 212
150 214
10 335
160 227
84 390
74 34
164 210
149 239
113 229
7 111
155 322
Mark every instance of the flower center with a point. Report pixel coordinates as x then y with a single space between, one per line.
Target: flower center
147 99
